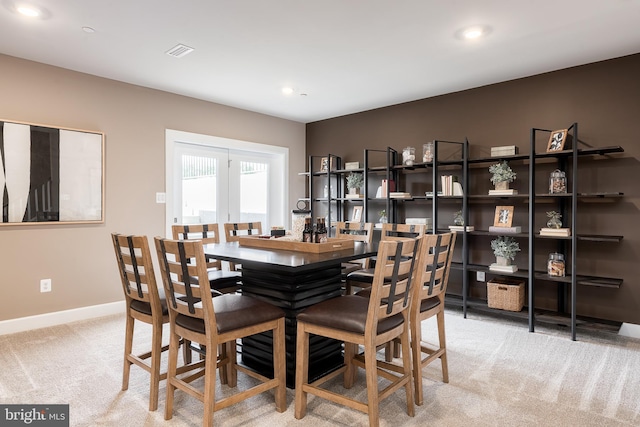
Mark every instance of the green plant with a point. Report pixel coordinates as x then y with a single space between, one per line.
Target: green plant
501 173
355 180
382 213
505 246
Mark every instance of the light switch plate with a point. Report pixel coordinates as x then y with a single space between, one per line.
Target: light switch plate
161 197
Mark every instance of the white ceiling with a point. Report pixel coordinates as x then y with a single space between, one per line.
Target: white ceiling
345 55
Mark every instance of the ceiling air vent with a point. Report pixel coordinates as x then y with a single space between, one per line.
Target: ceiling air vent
179 50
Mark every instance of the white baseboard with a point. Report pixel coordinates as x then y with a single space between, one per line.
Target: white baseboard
59 317
629 330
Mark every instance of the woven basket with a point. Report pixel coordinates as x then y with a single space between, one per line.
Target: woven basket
505 294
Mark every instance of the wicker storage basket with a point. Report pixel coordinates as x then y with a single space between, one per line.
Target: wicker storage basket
505 294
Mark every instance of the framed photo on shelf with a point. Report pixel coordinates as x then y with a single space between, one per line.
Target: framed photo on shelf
357 214
503 216
557 140
326 164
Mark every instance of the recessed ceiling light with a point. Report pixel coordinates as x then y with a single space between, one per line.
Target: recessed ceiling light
473 33
287 90
28 10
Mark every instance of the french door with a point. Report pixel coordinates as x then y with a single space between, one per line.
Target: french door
213 184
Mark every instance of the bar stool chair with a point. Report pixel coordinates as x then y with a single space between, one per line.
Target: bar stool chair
368 322
214 323
234 230
362 278
145 303
360 232
220 280
428 301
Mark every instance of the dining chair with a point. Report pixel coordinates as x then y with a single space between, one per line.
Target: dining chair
144 302
360 232
367 322
234 230
362 278
428 301
214 323
219 279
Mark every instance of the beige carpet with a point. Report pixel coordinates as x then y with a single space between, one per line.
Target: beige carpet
500 375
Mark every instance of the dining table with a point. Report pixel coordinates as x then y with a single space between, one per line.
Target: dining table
293 281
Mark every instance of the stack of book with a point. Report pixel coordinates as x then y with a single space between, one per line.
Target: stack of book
556 232
503 268
507 192
461 227
354 196
505 230
504 150
399 195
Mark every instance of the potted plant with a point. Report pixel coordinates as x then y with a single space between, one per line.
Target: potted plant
383 216
502 175
555 220
505 248
355 181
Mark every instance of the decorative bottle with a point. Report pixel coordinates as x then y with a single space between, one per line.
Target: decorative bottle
307 232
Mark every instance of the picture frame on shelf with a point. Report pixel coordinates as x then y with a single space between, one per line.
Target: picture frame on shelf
557 140
356 216
503 216
327 164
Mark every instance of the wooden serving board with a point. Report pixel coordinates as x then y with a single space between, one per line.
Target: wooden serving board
288 245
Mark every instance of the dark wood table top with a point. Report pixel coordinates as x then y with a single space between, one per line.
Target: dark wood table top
288 260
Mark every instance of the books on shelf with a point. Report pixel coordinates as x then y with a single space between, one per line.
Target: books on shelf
504 150
507 192
503 268
430 193
562 232
419 221
447 183
461 227
390 184
354 196
399 195
505 230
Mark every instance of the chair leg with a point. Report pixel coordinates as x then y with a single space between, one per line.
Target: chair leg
223 371
406 364
210 373
350 351
232 370
186 351
280 366
416 353
128 346
373 396
174 343
156 354
302 370
443 345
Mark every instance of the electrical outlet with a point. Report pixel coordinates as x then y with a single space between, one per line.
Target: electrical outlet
480 276
45 285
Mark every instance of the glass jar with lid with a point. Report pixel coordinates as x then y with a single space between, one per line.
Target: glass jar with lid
557 182
427 152
408 156
555 265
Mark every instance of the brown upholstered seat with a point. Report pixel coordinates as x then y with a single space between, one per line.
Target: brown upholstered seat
144 302
214 323
362 278
219 279
367 322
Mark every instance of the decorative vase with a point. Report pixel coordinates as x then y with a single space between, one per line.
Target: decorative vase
502 185
383 220
554 222
503 261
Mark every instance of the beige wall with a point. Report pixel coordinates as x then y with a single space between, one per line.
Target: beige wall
79 258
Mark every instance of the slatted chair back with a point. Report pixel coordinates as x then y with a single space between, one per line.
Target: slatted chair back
136 271
434 278
358 231
186 283
207 233
234 230
394 276
392 231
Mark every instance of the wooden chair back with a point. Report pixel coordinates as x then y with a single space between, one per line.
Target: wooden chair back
185 279
394 231
397 267
435 275
207 233
136 271
233 230
358 231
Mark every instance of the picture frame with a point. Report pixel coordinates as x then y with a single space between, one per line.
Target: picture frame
50 175
503 216
557 140
356 216
327 164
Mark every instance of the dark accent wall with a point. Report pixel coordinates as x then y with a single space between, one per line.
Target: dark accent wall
603 98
